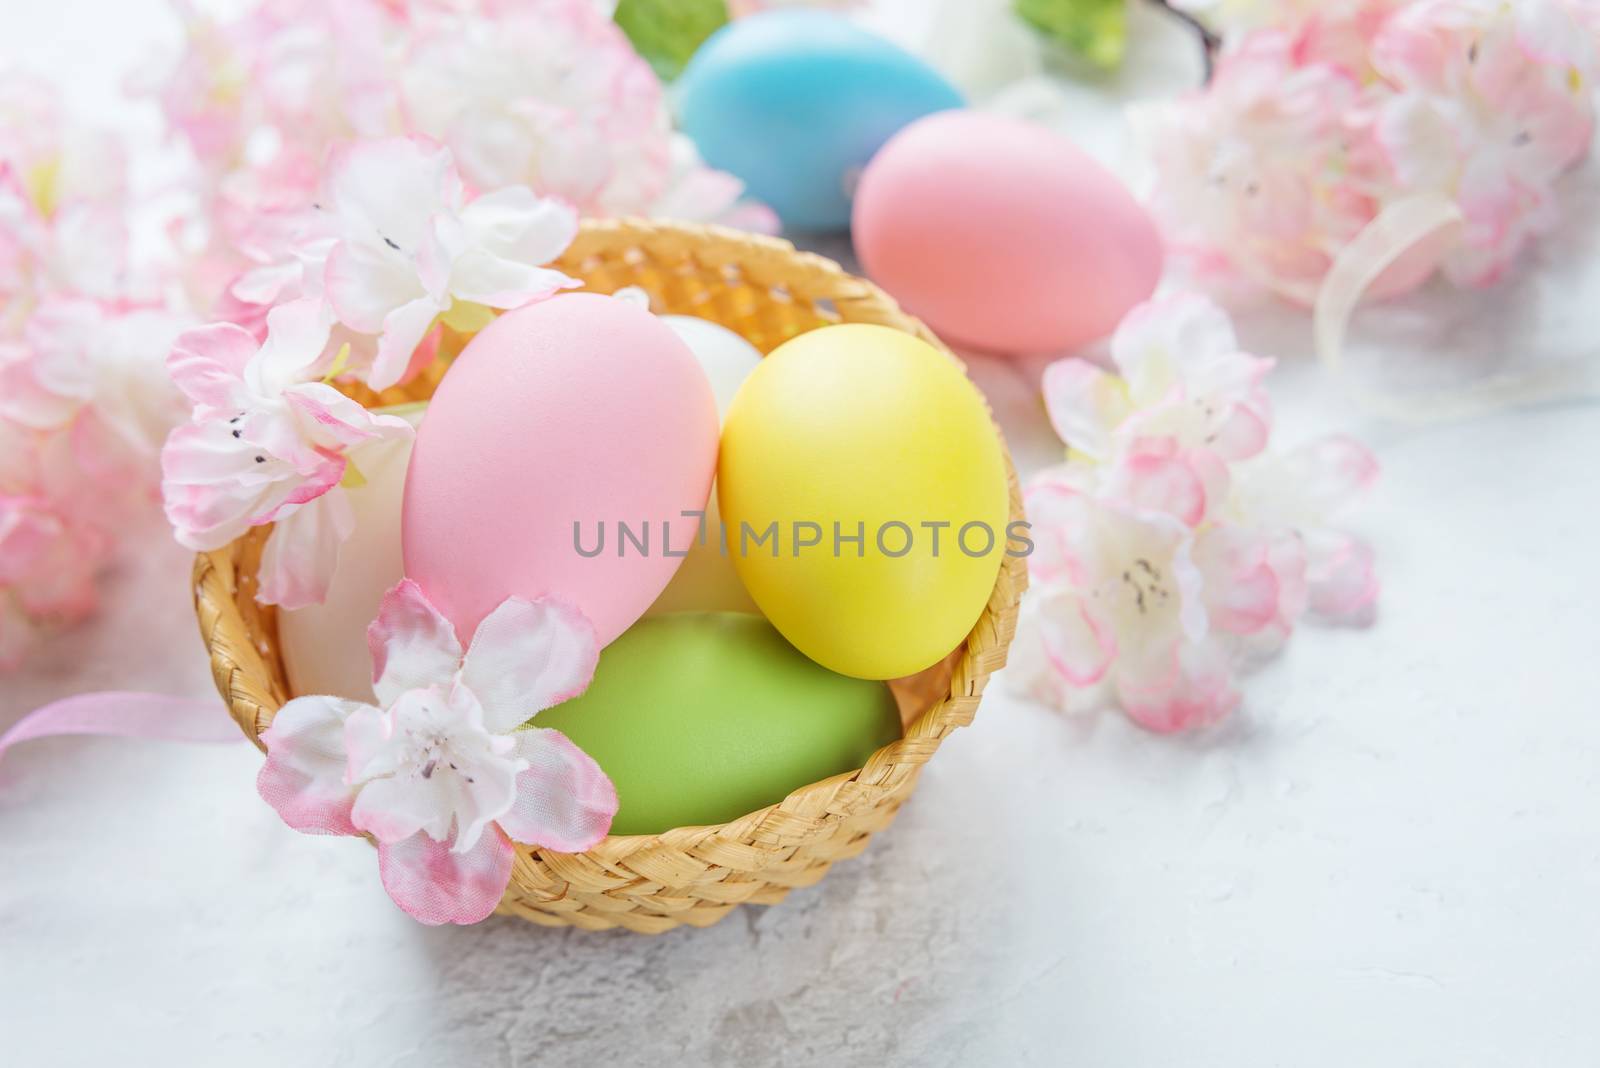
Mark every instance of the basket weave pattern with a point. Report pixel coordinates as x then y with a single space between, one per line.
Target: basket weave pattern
765 290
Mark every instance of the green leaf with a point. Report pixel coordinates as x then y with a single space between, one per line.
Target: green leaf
1095 29
667 32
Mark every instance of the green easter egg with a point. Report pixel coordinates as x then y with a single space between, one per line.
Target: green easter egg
700 718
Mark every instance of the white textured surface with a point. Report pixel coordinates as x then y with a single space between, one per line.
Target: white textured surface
1391 857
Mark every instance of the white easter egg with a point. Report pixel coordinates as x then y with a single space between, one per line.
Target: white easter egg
324 646
725 357
706 581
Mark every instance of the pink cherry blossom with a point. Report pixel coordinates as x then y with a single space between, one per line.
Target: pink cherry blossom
1263 170
265 446
1320 116
1490 111
394 244
63 189
47 562
1175 547
408 246
1301 493
1332 31
444 773
1122 606
1180 374
84 402
546 94
80 359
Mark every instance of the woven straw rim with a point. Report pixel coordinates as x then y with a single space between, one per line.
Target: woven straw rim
805 291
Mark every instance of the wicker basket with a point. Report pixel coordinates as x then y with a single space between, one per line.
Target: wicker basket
767 291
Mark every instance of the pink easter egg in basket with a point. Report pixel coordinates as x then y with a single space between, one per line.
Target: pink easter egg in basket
557 425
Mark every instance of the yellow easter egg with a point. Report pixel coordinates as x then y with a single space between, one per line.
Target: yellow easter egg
863 485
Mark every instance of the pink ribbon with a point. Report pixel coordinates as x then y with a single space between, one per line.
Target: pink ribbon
122 714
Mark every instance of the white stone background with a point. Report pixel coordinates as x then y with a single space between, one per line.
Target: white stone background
1390 857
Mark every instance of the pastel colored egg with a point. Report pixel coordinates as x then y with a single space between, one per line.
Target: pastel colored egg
324 646
864 487
725 357
794 103
1003 235
706 580
557 427
701 718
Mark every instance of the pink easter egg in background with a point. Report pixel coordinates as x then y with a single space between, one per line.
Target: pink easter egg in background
1003 235
581 409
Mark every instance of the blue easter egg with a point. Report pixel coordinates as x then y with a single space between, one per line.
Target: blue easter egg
795 103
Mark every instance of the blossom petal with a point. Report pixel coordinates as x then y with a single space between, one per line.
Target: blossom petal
515 223
332 421
1063 517
1243 433
212 489
24 400
527 656
1342 576
1085 404
208 362
483 278
398 807
297 334
413 645
364 285
373 747
385 189
303 777
1198 693
1164 482
1160 337
564 801
1240 587
1550 33
435 885
404 329
302 552
1332 471
266 285
1078 646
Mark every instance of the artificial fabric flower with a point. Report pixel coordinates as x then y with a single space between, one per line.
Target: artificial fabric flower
1318 122
84 400
48 562
442 773
408 246
1320 23
1174 547
272 87
63 198
540 93
392 246
1262 171
1180 374
49 559
80 360
1493 103
1303 490
265 446
548 94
